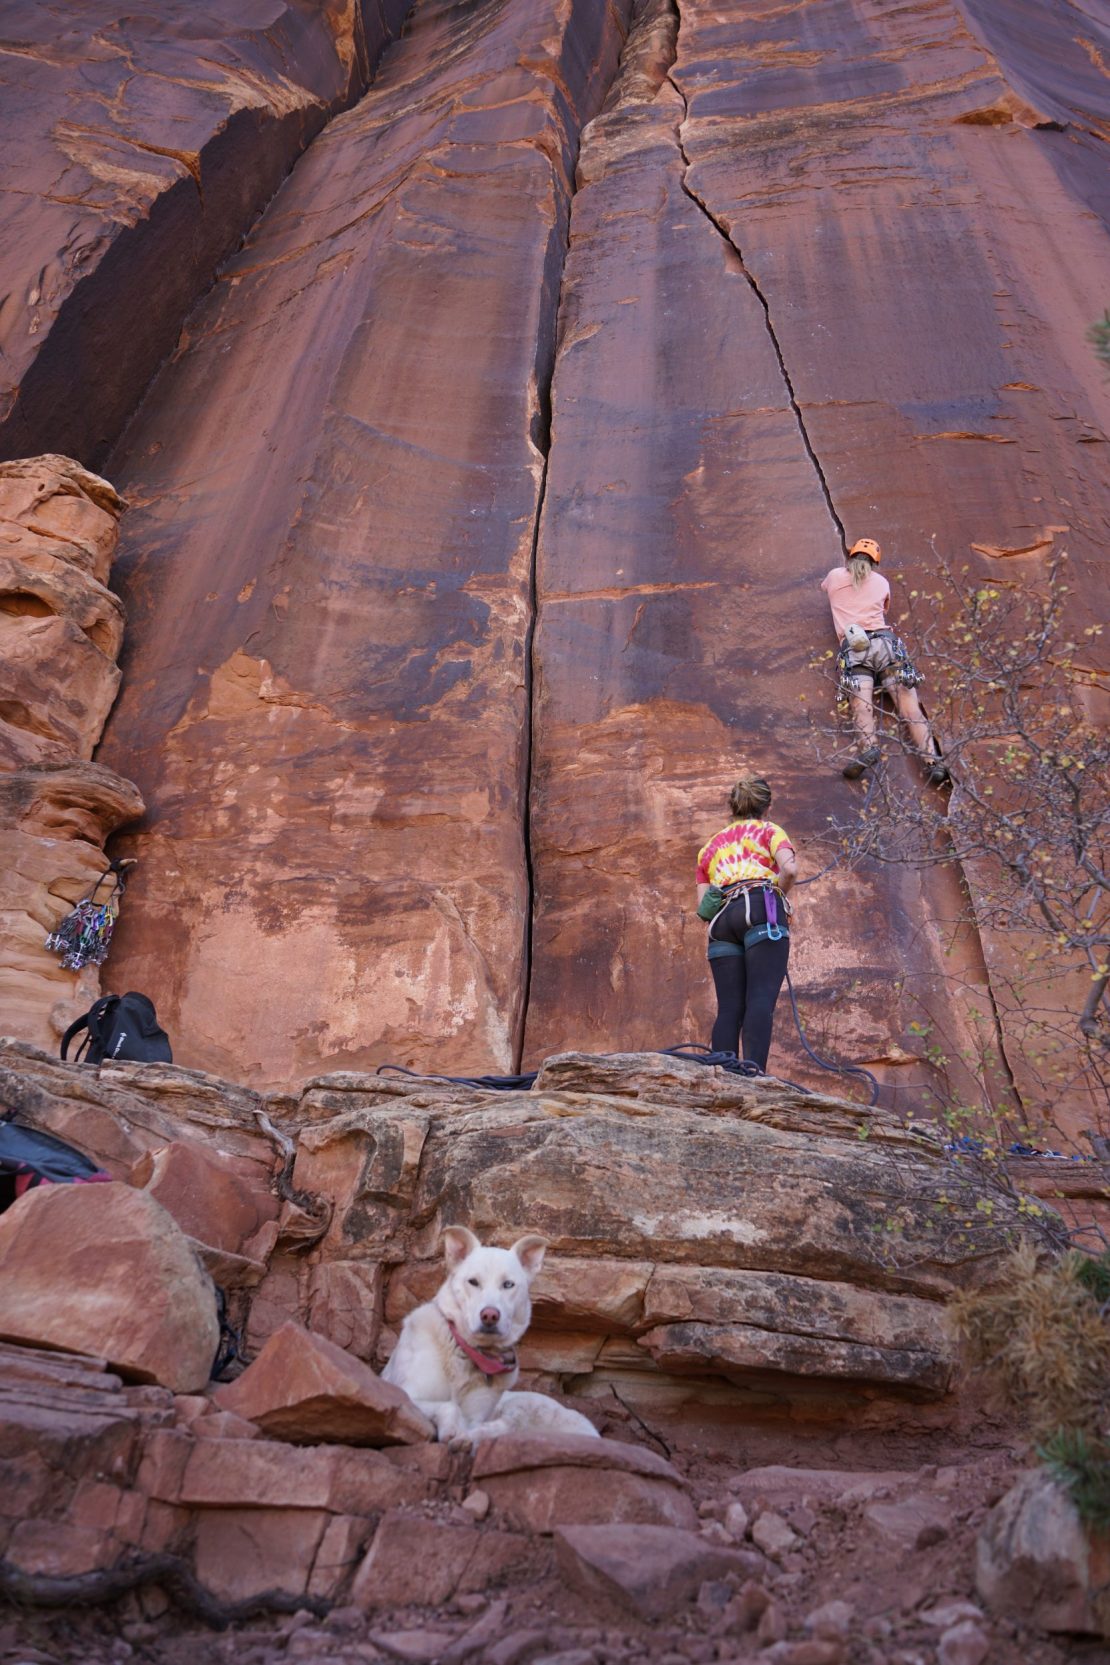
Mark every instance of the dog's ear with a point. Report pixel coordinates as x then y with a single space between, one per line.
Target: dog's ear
457 1242
530 1251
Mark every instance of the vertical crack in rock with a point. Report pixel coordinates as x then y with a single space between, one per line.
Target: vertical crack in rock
723 231
542 440
645 13
645 19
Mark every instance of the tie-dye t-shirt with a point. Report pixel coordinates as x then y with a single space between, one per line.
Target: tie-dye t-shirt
743 850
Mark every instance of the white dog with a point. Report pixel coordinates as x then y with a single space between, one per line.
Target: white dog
456 1355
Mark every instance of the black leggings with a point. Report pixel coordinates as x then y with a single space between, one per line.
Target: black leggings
747 983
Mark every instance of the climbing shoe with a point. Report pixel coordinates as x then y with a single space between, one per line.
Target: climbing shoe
937 774
855 766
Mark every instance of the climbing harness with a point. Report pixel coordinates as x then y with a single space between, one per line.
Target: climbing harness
772 931
899 670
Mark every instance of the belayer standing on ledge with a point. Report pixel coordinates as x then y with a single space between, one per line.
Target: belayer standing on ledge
744 873
870 652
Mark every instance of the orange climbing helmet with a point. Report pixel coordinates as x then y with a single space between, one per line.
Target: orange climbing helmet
868 547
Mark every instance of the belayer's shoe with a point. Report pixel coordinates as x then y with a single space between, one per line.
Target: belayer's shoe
855 766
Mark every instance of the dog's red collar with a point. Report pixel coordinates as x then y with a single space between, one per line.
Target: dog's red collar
485 1362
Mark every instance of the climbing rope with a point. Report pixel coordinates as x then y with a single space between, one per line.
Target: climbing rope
689 1050
484 1083
837 859
826 1063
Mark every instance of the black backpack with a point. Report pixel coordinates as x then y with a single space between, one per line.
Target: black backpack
29 1157
123 1026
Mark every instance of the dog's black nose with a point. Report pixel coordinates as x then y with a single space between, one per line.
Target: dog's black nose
491 1317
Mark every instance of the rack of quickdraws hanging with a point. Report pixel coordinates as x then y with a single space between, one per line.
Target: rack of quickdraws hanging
84 936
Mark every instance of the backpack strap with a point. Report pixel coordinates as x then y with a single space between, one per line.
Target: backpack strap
93 1021
78 1024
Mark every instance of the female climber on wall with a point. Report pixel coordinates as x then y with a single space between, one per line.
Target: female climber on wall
744 873
871 652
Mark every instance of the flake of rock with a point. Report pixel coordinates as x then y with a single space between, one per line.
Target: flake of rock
415 1647
304 1389
966 1643
412 1559
948 1611
714 1596
831 1620
1033 1560
744 1611
470 1603
913 1522
516 1647
345 1618
310 1643
736 1522
772 1625
772 1533
652 1570
477 1503
810 1652
484 1631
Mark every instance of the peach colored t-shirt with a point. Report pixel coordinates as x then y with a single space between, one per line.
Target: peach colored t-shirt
865 606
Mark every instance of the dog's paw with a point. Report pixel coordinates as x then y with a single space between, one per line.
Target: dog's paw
463 1441
449 1425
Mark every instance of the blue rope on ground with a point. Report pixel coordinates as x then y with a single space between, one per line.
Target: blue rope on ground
484 1083
689 1050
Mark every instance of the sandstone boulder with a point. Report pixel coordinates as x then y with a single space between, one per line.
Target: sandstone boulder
1035 1560
220 1200
647 1570
414 1560
240 1553
306 1390
544 1483
104 1270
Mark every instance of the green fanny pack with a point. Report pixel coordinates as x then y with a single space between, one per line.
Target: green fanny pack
712 902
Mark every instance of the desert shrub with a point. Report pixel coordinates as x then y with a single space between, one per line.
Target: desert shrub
1041 1336
1081 1465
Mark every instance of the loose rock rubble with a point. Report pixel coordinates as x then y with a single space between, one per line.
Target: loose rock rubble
727 1513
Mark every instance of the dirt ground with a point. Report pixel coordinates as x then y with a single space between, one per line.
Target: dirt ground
900 1561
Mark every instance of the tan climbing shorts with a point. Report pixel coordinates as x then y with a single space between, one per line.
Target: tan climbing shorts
884 661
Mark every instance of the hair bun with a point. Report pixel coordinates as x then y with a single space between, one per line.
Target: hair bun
750 796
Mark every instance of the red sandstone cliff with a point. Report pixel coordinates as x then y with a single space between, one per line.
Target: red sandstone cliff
479 511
